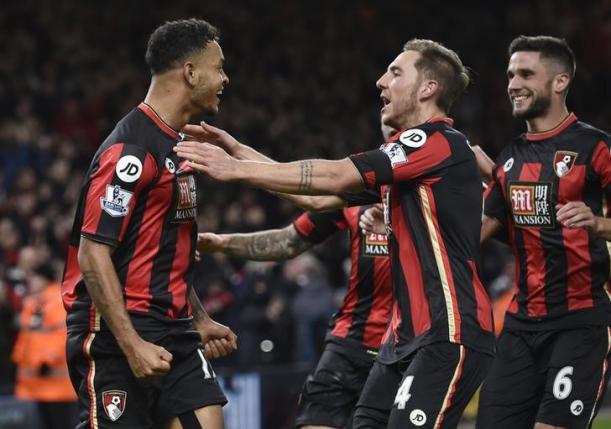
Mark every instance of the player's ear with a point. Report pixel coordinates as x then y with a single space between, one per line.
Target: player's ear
561 82
189 73
428 89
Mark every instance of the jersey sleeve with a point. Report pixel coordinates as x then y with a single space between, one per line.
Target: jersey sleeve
122 172
494 200
412 156
601 164
363 198
317 227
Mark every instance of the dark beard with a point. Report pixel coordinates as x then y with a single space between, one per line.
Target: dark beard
538 108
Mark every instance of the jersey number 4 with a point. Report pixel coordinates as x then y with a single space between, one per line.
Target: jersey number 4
403 394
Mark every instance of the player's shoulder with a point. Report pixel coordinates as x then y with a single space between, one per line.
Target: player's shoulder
589 132
417 136
139 136
509 150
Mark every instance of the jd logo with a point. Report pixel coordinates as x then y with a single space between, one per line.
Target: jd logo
413 138
576 407
129 168
417 417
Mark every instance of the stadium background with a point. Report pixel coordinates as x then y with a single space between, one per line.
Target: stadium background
302 84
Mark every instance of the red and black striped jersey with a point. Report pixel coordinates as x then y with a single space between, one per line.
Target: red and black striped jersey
562 274
363 317
139 198
432 194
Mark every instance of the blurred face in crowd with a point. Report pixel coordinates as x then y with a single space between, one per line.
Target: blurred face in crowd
37 283
529 85
207 77
399 87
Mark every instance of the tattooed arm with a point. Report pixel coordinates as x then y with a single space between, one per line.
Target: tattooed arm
145 359
221 138
270 245
307 177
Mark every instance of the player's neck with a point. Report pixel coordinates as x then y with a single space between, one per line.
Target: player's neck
554 116
164 100
422 115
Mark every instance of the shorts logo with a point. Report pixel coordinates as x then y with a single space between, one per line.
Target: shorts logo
413 138
129 168
417 417
169 164
508 164
576 407
116 201
563 162
114 403
186 200
375 245
531 204
395 153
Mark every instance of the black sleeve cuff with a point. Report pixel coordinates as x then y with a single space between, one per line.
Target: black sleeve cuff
374 166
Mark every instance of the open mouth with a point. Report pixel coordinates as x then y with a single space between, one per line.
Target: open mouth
518 100
385 101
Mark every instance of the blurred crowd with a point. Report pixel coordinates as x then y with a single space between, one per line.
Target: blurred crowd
302 84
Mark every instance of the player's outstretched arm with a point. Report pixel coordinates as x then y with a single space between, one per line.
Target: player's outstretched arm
145 359
484 162
218 339
207 133
270 245
307 177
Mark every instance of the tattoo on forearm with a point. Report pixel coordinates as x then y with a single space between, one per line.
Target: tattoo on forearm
305 184
272 245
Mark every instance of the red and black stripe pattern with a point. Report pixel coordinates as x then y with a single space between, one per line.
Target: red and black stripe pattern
562 273
141 200
432 196
365 312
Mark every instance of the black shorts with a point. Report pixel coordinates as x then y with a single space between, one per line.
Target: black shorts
110 395
552 377
330 393
429 388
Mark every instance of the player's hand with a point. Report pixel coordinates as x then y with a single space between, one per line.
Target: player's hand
577 214
206 133
209 159
218 339
148 360
208 242
372 220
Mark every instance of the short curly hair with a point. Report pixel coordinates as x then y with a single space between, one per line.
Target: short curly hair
176 40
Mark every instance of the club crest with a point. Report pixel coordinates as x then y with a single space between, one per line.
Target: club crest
114 403
563 162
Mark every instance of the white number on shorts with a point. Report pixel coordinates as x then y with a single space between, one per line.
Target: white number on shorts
403 394
205 368
563 384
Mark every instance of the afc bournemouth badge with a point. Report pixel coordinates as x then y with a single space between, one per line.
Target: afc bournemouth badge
563 162
114 403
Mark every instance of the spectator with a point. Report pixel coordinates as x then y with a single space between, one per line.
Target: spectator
40 352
